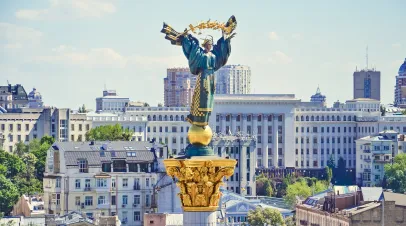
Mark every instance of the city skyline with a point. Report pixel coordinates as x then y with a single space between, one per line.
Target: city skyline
77 47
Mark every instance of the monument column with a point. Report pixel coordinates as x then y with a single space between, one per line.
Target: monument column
275 140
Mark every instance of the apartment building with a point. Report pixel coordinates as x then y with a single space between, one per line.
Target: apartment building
373 152
13 97
106 178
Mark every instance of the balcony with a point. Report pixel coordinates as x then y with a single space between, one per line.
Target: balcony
367 160
136 187
87 189
366 151
103 206
382 160
367 170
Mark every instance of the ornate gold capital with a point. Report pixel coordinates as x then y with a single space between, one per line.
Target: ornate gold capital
199 181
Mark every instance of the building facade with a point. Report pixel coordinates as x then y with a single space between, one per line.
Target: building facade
373 152
13 97
400 87
179 86
233 79
367 84
110 102
35 99
106 179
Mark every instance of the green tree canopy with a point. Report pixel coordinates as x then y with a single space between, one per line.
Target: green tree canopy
8 195
21 149
395 174
48 140
264 185
259 217
12 162
110 133
301 189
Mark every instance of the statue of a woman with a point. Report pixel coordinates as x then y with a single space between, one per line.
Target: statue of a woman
203 62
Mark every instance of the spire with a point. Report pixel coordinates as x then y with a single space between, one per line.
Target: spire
318 90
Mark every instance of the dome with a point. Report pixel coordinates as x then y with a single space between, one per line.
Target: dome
34 95
402 69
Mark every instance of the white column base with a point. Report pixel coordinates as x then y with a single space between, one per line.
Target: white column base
199 219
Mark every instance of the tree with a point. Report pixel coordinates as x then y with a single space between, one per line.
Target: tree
331 163
259 217
40 152
110 133
383 110
290 221
340 175
329 174
264 186
21 148
298 189
82 109
146 104
13 163
8 195
160 105
395 174
47 139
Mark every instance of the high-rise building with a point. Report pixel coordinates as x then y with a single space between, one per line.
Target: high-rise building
178 87
233 79
318 97
400 87
367 84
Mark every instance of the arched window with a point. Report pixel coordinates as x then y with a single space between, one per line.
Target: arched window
332 118
312 118
302 118
154 118
317 118
165 118
355 118
328 117
297 118
182 118
171 118
344 118
307 118
338 118
177 118
149 117
322 118
160 118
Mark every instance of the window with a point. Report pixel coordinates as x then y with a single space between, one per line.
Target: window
58 182
147 200
83 167
77 183
87 183
137 216
259 151
125 182
125 199
113 183
101 182
77 200
147 182
80 127
88 200
113 200
136 199
269 151
27 127
280 152
101 200
259 130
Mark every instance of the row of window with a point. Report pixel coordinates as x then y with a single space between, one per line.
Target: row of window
18 126
165 129
80 127
327 139
316 163
326 118
250 117
315 151
166 118
102 183
19 138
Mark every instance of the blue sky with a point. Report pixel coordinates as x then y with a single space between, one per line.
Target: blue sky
69 49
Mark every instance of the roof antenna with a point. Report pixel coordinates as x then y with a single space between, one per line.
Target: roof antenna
366 56
8 82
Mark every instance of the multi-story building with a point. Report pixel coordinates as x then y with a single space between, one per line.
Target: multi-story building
110 102
179 85
241 148
233 79
400 87
373 152
31 124
318 97
13 97
367 84
107 178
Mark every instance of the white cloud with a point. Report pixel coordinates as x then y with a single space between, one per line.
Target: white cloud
151 61
72 9
279 57
273 36
93 58
396 45
13 34
297 36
